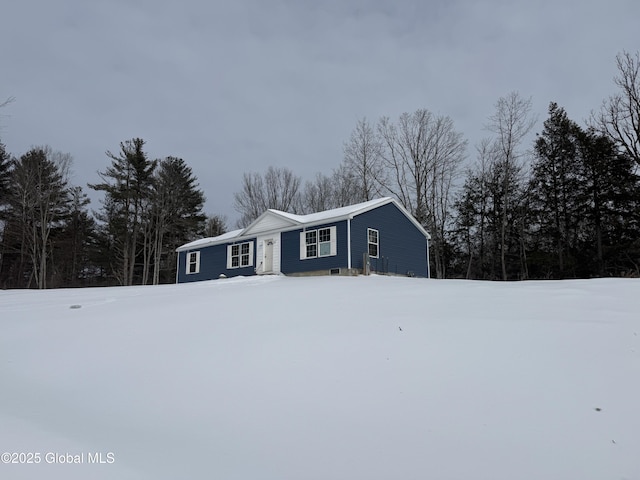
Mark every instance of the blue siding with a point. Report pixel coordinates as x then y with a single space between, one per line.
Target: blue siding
403 248
290 251
213 262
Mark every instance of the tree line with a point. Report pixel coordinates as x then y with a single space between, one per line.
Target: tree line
48 237
565 205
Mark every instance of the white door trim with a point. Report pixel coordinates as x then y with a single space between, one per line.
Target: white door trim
261 243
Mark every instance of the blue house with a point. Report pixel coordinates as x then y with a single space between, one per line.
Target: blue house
378 236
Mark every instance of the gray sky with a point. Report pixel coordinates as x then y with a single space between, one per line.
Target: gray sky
240 85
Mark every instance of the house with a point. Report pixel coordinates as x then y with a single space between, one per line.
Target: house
375 236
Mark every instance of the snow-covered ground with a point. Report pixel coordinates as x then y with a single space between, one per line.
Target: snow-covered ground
323 378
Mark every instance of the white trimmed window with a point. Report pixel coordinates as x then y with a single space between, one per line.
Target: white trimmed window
318 243
373 240
193 262
240 255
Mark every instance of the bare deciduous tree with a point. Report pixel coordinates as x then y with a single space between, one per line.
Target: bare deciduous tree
619 116
511 122
406 158
215 225
5 103
363 159
319 194
278 188
423 153
447 153
345 187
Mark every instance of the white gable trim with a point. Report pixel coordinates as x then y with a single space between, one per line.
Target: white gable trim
269 221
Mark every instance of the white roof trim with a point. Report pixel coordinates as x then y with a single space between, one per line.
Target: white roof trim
274 220
335 213
205 242
291 221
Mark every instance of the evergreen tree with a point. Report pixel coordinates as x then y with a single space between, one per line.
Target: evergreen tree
38 203
469 227
75 246
585 202
481 223
609 199
127 184
5 173
554 192
5 165
176 214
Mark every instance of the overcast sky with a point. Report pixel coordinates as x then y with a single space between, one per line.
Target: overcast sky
237 86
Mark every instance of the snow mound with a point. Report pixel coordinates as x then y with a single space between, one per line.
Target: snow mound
323 378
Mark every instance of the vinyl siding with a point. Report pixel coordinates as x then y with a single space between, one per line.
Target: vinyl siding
402 247
290 261
213 262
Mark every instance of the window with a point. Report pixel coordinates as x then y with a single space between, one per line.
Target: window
235 256
312 244
324 242
240 255
193 262
373 240
318 243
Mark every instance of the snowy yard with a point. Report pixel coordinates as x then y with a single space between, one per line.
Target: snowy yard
323 378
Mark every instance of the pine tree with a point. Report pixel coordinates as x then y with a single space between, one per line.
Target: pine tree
38 203
127 185
609 212
585 202
554 191
5 172
176 214
75 244
5 165
481 221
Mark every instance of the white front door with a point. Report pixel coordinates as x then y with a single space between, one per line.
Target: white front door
268 256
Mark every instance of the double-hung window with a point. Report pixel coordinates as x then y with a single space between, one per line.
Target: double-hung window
324 242
240 255
318 243
193 262
311 244
373 240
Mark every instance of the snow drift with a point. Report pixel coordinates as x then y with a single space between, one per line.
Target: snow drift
323 378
